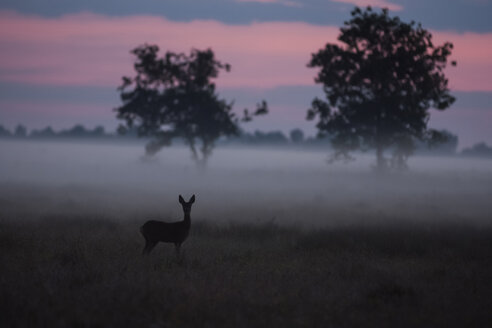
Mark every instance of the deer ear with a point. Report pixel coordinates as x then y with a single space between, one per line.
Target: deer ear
181 200
192 199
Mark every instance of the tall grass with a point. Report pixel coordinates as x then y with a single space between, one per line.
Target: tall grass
87 271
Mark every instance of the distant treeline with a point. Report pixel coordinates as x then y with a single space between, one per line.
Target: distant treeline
296 138
78 131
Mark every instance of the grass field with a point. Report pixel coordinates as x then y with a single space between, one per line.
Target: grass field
87 272
298 245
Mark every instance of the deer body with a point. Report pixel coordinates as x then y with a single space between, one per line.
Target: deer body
168 232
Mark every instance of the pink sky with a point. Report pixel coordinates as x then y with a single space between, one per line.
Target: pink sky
87 49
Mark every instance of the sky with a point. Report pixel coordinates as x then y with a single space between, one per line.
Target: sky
61 61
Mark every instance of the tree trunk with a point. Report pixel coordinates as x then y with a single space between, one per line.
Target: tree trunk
206 151
200 156
202 163
194 153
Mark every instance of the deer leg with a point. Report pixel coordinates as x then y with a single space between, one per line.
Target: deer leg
178 249
149 245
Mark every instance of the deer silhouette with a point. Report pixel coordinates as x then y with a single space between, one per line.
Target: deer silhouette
168 232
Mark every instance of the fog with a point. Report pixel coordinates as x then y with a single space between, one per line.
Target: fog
240 184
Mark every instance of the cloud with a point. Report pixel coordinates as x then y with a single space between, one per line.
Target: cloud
373 3
287 3
93 50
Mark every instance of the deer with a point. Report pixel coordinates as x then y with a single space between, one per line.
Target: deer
168 232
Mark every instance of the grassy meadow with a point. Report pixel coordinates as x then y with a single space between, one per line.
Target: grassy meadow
300 244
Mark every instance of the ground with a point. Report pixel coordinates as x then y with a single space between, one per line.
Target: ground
87 271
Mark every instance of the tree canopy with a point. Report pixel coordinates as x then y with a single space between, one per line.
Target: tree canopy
380 80
174 97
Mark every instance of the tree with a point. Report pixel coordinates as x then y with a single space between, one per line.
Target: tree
20 131
174 97
44 133
269 137
480 149
380 81
4 132
446 147
98 132
297 136
77 131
